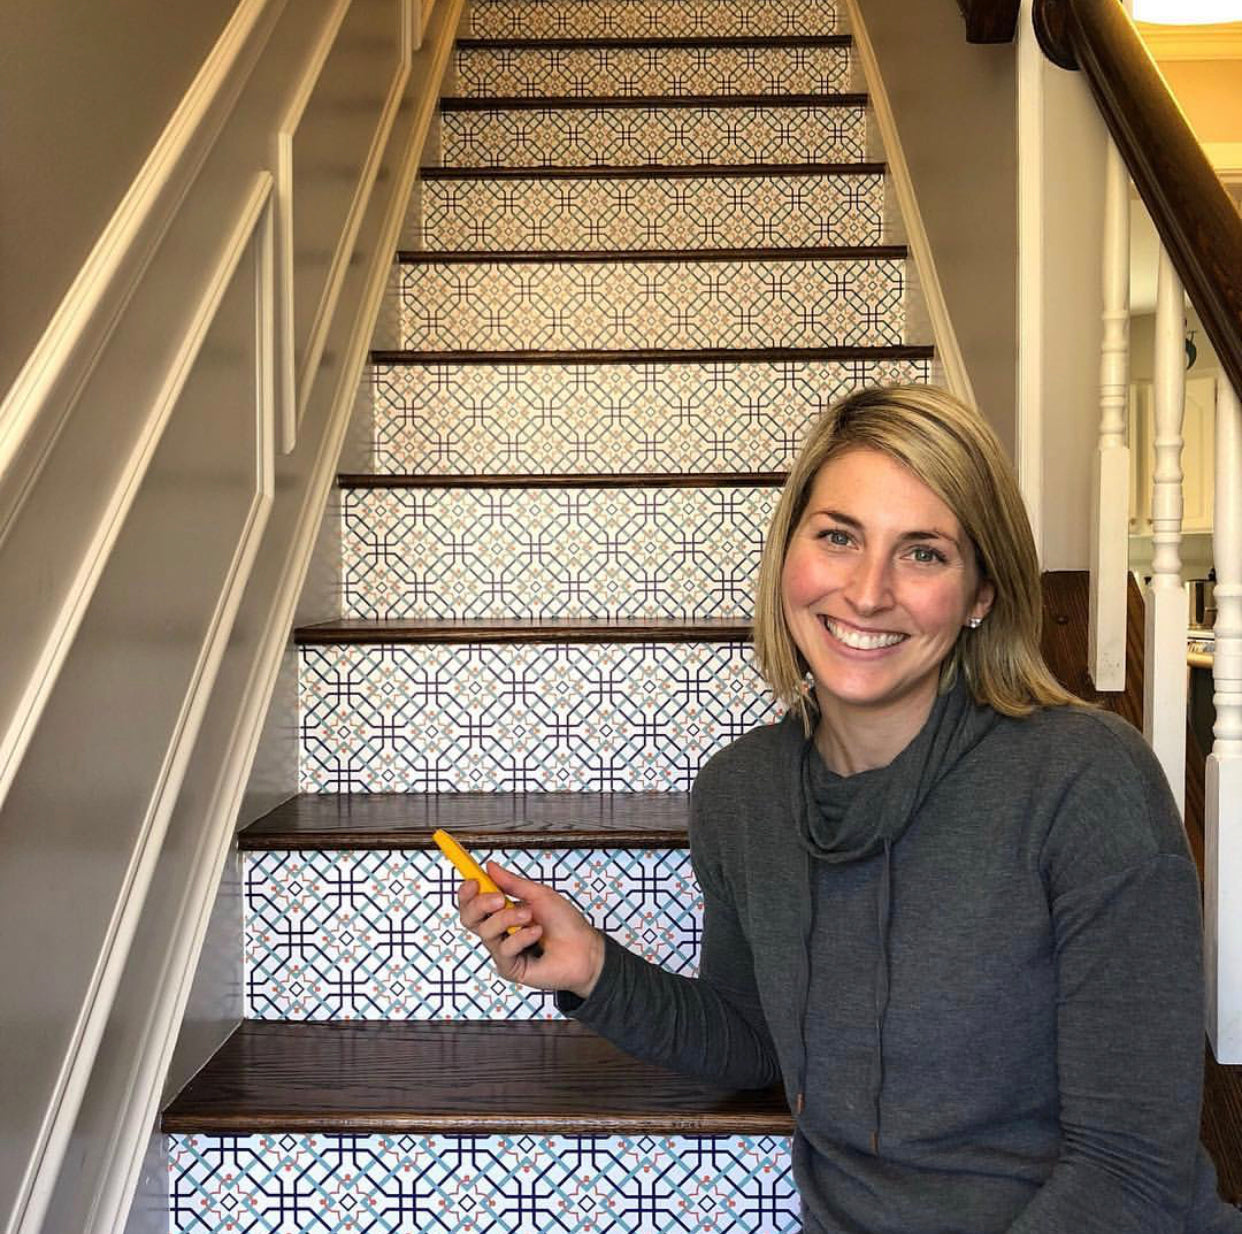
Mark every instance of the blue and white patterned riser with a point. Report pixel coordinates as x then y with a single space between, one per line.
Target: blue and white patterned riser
789 211
388 1184
632 135
622 71
589 19
566 306
678 553
374 935
522 717
550 418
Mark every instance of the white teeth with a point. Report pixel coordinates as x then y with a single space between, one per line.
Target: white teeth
860 641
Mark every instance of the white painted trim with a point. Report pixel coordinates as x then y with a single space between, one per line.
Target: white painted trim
318 333
36 405
948 351
1216 41
217 836
1029 427
43 1169
286 344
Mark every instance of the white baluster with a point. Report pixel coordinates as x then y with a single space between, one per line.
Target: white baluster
1164 701
1110 489
1222 889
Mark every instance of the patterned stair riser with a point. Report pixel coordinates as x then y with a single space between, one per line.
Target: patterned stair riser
611 71
678 19
522 717
375 936
651 552
641 136
517 1184
550 418
569 306
735 212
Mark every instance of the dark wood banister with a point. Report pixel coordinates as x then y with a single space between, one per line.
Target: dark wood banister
990 21
1196 220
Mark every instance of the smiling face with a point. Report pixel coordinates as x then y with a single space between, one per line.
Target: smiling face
878 581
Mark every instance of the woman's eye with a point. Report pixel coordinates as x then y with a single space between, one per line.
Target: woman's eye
925 556
835 537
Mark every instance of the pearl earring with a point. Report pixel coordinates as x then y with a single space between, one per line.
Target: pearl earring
974 622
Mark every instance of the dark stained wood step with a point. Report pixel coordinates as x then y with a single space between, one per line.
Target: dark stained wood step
770 40
638 479
652 171
616 102
481 820
454 1078
476 257
655 355
525 630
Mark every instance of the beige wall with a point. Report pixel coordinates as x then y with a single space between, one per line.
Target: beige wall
67 156
1210 93
955 110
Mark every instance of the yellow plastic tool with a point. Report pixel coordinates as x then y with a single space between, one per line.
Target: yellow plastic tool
468 868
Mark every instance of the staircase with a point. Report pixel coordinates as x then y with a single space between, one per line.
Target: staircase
652 251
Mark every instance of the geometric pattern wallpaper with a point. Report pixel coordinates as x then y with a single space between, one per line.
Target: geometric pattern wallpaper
514 1184
681 553
555 306
547 418
538 717
738 212
631 135
620 71
587 19
370 935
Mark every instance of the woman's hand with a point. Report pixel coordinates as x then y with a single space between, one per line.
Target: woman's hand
573 950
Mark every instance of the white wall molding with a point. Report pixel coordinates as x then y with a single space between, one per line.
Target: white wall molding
47 1152
948 351
216 836
35 405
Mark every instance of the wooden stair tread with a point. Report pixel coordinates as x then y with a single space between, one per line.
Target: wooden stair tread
525 480
526 630
589 102
481 820
476 257
659 355
650 171
463 1078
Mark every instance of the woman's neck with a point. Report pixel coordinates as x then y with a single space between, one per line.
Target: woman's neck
851 738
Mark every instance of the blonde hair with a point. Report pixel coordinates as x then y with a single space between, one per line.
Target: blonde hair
950 448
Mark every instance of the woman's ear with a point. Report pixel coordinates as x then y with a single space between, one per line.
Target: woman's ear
985 595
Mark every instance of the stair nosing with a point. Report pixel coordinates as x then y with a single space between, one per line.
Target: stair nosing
563 479
719 355
621 43
406 632
313 821
610 102
652 171
527 257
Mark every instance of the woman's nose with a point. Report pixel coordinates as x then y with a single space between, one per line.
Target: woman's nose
868 590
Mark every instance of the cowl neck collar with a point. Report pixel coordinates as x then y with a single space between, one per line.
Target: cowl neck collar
850 818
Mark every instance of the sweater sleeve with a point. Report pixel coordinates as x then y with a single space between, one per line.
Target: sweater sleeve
711 1027
1130 1036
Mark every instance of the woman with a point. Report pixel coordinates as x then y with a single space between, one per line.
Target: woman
951 910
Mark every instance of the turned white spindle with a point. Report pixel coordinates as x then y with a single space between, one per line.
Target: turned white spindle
1110 488
1164 701
1223 788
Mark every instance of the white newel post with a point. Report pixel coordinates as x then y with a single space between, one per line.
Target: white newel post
1110 487
1222 900
1164 676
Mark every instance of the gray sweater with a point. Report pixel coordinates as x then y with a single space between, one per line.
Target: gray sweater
976 971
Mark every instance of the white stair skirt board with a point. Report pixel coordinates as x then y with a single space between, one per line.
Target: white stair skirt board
703 212
651 70
573 418
374 935
658 304
634 552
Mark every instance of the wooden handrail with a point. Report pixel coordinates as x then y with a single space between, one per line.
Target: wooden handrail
1194 216
990 21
